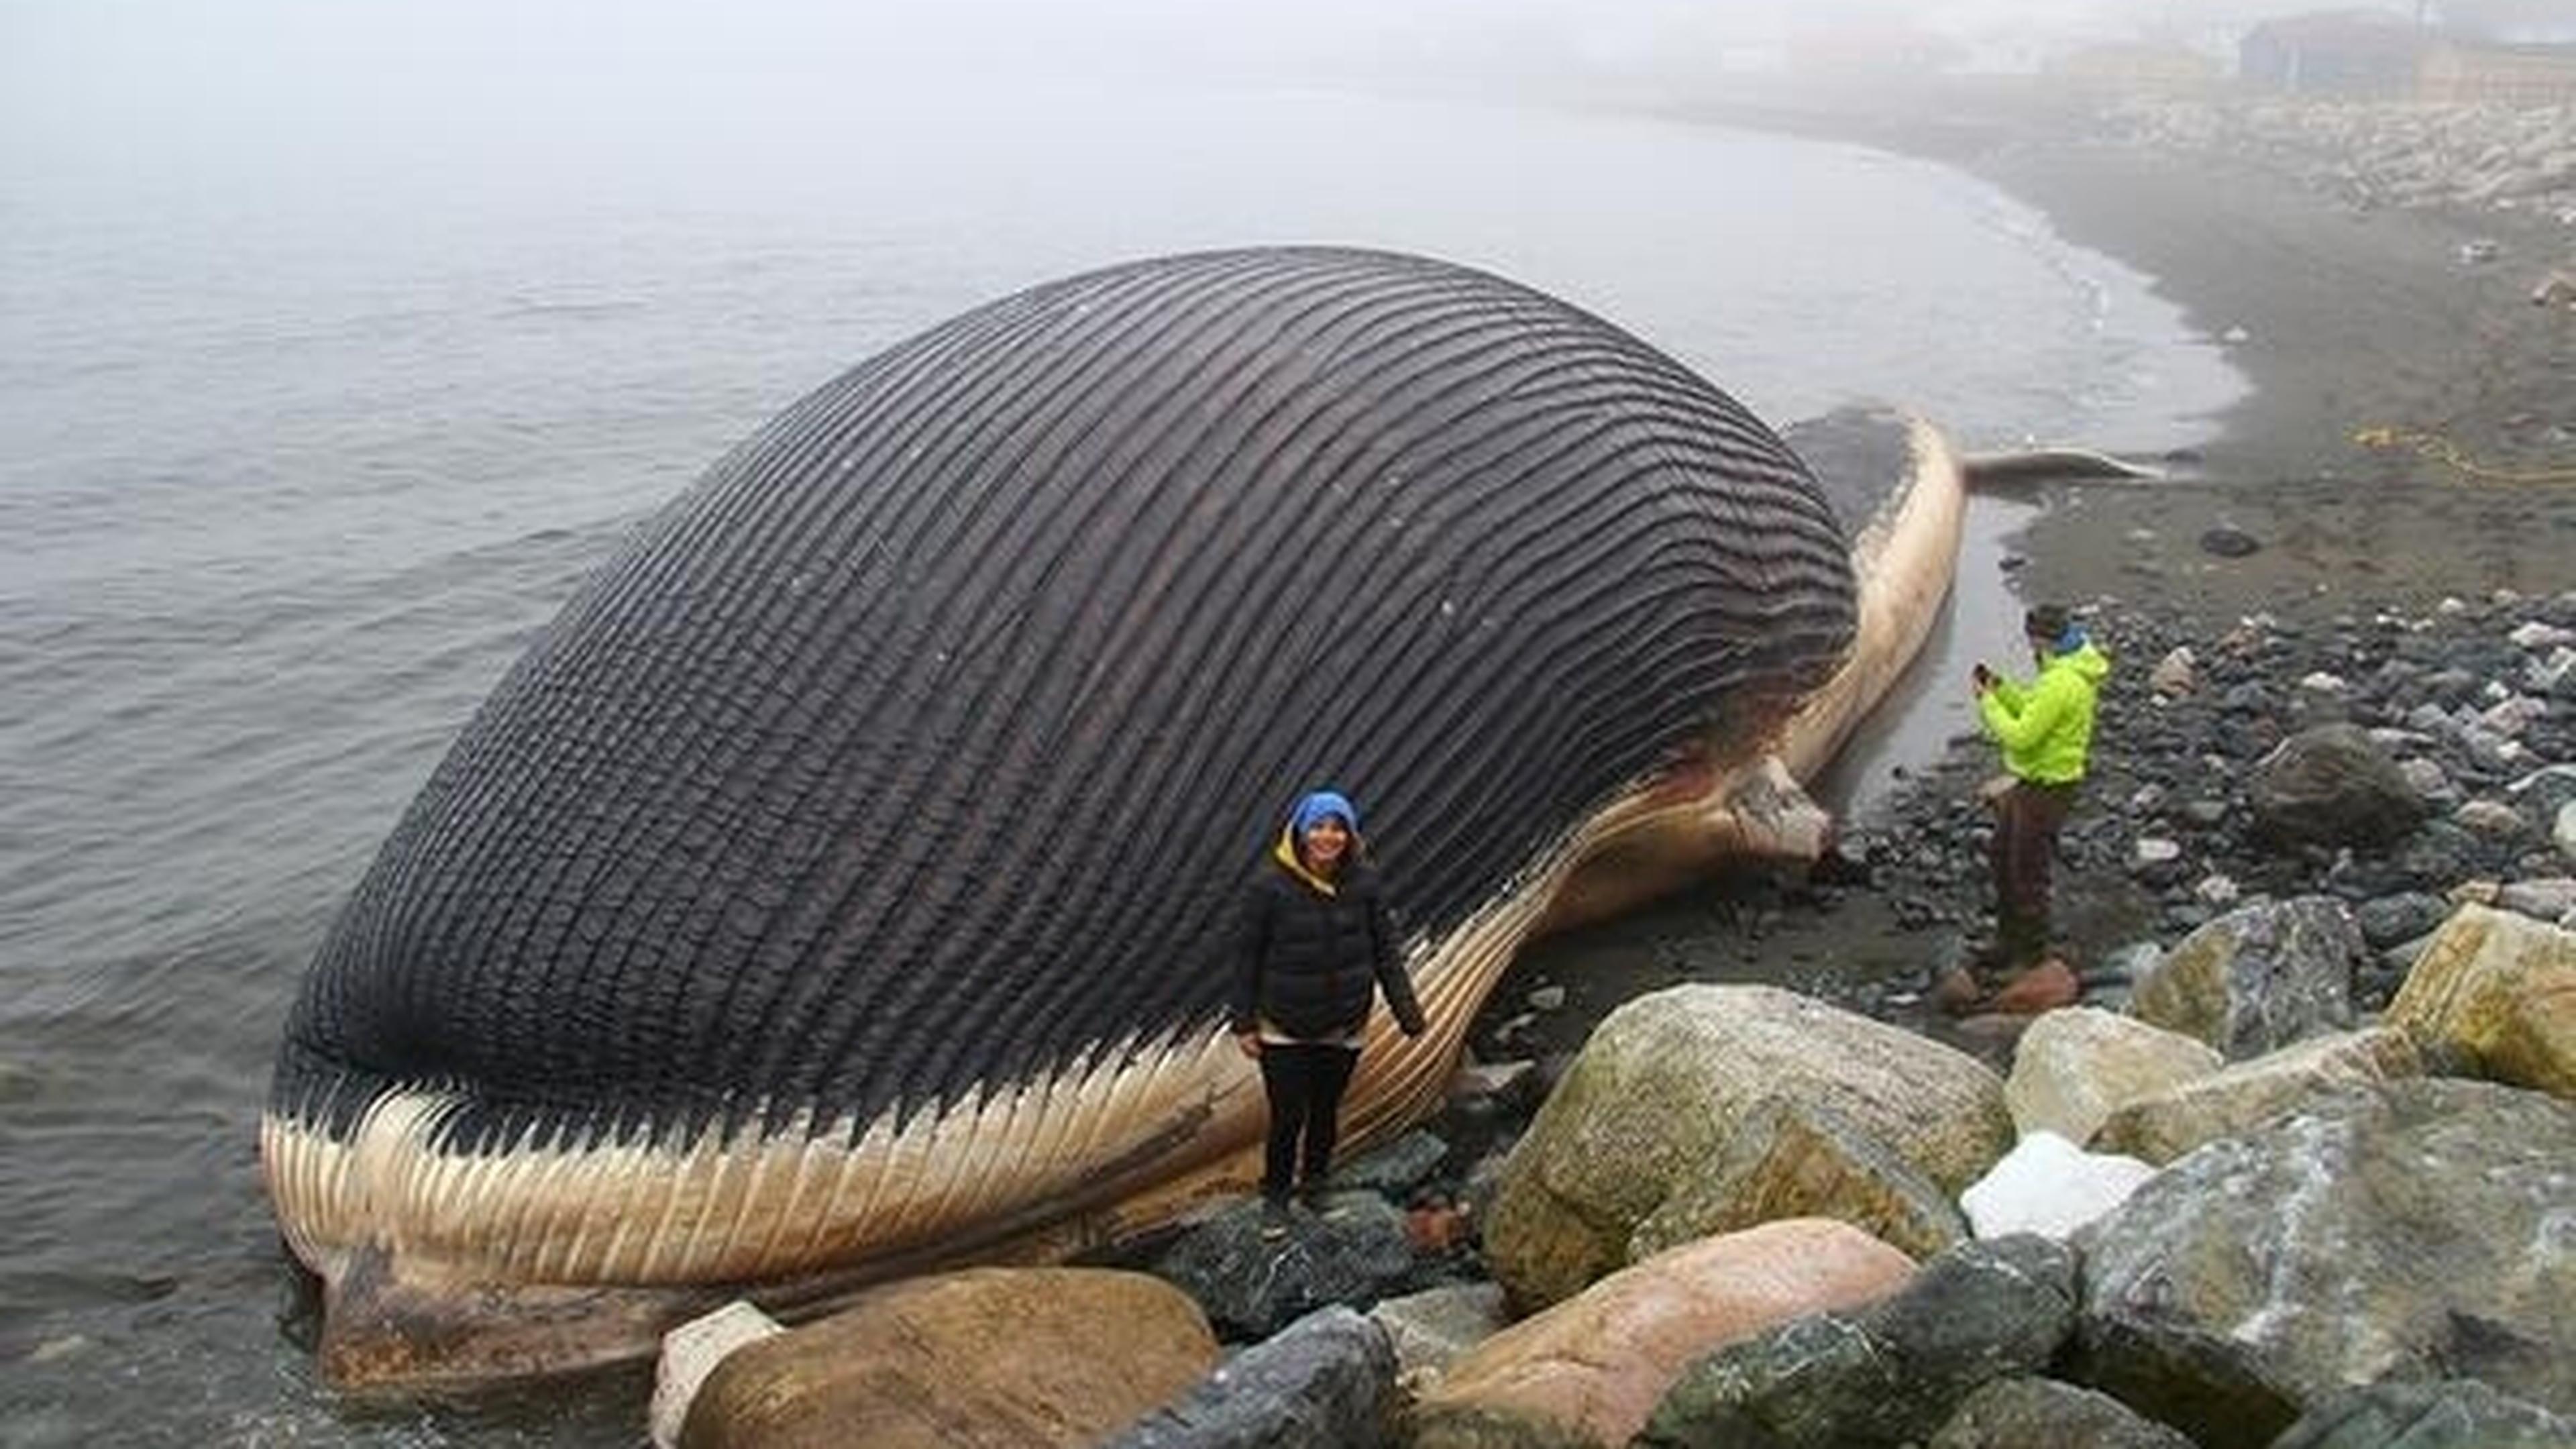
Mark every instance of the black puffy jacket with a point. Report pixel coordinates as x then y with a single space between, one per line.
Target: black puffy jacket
1307 962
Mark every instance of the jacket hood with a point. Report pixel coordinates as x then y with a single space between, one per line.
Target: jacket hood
2089 662
1284 855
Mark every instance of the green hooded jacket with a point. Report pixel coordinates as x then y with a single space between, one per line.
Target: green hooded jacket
2046 726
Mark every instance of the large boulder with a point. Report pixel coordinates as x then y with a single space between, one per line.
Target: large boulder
990 1356
1794 1159
2332 785
1589 1370
2452 1414
2073 1067
1669 1079
2257 978
2027 1413
1353 1247
1888 1373
2415 1229
2494 995
1328 1378
2164 1125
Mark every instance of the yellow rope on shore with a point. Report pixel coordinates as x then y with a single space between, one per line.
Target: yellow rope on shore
2442 450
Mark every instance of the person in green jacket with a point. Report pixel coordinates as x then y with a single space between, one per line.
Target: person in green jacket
2046 730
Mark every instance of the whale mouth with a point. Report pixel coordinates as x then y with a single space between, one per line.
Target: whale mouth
462 1268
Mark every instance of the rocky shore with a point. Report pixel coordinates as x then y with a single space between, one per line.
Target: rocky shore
2293 1171
2499 159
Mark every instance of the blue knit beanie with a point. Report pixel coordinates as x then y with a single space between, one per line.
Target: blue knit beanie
2051 625
1318 805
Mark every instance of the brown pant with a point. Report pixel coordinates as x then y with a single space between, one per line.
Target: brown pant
2027 818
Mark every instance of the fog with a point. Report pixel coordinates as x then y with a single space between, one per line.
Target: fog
107 78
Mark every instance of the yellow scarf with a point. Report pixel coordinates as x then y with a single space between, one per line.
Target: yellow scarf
1285 852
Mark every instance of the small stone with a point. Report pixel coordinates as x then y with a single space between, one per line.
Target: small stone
1547 998
1436 1229
2174 674
2249 697
2216 889
1493 1080
2323 683
1394 1169
2153 854
2510 716
2491 751
2474 893
2545 899
2490 818
2537 635
2043 988
2552 675
2230 542
54 1350
2428 779
1431 1328
2407 916
2049 1186
690 1353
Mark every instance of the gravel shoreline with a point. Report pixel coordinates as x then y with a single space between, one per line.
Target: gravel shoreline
2350 321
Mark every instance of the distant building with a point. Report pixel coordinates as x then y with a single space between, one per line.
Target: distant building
2134 67
2357 54
2502 75
1850 51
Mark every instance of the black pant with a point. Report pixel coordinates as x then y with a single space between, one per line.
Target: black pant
2026 826
1304 1082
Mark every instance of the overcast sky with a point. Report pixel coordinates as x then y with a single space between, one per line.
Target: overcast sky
86 70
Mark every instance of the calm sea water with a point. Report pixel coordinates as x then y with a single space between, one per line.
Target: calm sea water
301 444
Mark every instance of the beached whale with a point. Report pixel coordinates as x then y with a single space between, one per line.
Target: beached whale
841 886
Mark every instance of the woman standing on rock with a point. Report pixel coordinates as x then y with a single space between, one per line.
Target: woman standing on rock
1316 947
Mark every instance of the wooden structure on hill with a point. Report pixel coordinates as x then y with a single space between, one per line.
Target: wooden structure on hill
2504 75
2378 55
2355 55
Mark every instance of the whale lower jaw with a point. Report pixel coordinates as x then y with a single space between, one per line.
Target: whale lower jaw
453 1269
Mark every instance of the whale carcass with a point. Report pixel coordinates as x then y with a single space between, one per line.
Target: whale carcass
841 885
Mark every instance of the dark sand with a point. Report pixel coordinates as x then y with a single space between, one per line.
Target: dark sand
2350 322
